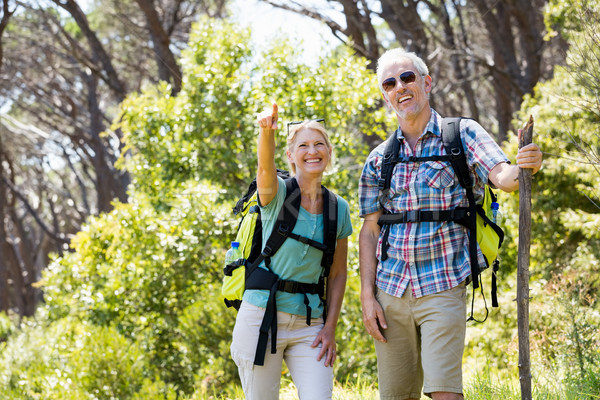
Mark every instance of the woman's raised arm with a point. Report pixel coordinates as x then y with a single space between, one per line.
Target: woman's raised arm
266 174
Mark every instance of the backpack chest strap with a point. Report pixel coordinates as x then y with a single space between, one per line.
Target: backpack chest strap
458 214
384 182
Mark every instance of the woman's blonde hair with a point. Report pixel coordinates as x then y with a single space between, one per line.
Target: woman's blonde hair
308 124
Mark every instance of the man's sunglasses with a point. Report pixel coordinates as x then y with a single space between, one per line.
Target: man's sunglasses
300 122
406 77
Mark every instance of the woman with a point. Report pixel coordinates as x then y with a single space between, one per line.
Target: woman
308 350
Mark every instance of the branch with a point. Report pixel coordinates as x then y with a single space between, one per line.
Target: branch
6 14
336 29
33 213
167 65
80 18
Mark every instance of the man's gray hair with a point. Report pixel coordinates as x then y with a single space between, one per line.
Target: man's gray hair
395 55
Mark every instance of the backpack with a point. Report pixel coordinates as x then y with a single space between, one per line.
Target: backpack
245 273
476 218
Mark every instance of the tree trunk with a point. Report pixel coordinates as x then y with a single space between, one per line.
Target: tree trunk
168 70
110 75
406 24
4 297
6 14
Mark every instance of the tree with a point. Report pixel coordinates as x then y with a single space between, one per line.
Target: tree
484 55
65 72
147 272
565 256
6 14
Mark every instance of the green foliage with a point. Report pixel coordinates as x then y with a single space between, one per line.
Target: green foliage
72 359
353 365
133 311
139 270
566 124
204 336
570 17
213 118
565 250
6 326
138 291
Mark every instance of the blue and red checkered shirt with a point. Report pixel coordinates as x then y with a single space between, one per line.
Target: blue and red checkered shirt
431 256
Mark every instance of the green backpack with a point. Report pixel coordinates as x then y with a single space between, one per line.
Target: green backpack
477 218
245 273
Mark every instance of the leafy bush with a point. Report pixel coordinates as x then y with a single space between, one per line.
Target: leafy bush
139 290
134 312
68 359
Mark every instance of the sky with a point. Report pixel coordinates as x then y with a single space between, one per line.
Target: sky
267 21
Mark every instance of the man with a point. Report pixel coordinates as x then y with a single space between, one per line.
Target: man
414 296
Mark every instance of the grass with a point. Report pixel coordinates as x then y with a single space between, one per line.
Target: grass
357 391
479 388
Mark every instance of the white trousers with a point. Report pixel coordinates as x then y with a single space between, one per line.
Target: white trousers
294 338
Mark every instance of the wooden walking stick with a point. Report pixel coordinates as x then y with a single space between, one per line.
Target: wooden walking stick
523 267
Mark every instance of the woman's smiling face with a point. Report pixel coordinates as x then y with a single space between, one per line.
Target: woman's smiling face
309 152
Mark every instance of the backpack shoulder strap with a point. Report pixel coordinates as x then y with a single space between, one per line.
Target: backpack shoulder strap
454 147
330 221
390 159
458 159
286 220
239 206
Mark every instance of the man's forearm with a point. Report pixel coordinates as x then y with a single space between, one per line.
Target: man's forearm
368 261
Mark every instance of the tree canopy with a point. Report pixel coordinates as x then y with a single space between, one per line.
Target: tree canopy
130 308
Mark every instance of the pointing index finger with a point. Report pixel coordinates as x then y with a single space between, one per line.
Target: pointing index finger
275 115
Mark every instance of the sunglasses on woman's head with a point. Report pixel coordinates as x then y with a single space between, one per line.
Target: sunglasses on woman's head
299 122
406 77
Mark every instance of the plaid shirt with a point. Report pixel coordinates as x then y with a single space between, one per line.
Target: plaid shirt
431 256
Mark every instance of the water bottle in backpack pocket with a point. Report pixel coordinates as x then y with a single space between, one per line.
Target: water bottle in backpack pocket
489 233
233 282
249 242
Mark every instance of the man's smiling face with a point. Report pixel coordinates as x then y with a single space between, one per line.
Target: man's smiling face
406 99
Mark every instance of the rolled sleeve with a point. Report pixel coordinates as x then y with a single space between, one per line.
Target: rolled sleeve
483 153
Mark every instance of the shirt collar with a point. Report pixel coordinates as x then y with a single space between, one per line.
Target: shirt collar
434 126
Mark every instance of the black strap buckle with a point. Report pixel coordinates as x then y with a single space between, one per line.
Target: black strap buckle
283 230
455 152
267 251
302 239
412 216
229 268
288 286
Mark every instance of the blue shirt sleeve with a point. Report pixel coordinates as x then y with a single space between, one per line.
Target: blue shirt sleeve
344 226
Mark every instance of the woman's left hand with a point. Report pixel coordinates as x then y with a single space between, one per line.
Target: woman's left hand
327 339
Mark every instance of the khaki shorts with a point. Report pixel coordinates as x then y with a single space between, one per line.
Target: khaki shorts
425 343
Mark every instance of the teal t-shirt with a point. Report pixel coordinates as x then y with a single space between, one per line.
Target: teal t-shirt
295 260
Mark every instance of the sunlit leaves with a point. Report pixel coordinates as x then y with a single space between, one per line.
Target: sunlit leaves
150 270
565 249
